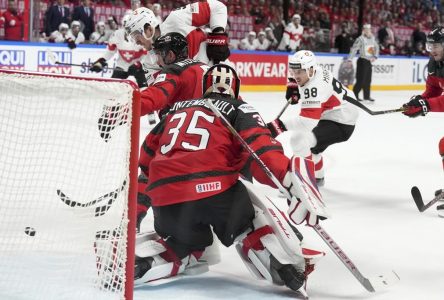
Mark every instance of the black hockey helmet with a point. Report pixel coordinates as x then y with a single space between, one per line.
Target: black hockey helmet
436 36
221 79
172 41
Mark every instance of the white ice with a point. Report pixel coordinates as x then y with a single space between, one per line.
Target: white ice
374 219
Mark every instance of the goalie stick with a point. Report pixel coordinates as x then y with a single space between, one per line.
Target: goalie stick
99 210
417 197
371 284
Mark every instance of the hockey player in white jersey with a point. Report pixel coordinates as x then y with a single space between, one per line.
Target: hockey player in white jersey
187 21
128 53
326 116
291 39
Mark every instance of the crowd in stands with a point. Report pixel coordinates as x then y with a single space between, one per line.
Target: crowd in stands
317 25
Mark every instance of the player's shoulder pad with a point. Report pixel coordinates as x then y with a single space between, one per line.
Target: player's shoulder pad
178 67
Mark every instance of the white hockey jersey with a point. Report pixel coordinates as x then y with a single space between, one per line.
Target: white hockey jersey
79 39
322 98
292 37
187 20
128 52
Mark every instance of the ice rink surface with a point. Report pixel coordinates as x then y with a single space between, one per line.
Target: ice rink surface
374 219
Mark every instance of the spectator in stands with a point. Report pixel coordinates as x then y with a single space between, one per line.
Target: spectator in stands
419 50
157 10
324 20
263 43
250 42
101 35
320 38
75 35
85 14
406 48
60 35
418 35
112 24
55 15
344 40
292 36
346 73
13 23
271 38
386 35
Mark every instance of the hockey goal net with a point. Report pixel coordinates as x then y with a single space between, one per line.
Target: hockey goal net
68 168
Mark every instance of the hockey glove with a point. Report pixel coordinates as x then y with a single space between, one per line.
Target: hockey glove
71 43
98 65
217 47
137 71
292 91
416 106
306 202
276 127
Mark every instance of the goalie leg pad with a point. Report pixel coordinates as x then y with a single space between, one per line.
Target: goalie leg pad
157 263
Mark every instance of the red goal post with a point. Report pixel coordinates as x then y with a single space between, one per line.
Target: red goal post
68 186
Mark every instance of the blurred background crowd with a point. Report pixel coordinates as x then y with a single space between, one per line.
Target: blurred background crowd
400 26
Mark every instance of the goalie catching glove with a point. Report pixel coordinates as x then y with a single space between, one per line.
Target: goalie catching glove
416 106
98 65
217 47
306 202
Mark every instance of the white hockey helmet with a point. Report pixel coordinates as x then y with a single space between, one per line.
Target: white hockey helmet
303 59
137 21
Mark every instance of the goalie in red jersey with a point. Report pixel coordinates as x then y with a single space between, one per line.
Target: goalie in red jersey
193 162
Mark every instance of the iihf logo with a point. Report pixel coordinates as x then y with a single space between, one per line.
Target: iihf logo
47 65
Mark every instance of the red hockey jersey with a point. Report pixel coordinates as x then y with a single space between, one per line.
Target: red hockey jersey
192 155
179 81
434 92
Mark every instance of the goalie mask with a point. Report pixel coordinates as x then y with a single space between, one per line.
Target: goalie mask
221 79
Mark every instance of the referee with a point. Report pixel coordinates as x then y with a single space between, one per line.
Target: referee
368 52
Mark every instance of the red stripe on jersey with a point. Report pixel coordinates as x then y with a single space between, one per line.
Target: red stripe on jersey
112 47
195 38
312 113
203 16
330 103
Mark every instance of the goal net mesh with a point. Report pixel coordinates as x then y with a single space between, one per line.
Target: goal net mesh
65 146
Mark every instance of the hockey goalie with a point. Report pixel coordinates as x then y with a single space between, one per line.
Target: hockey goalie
193 162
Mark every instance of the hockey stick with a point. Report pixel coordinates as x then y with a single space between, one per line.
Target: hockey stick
283 109
99 210
417 197
365 108
370 284
52 58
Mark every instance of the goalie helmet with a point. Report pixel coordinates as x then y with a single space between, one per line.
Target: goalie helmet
138 20
172 41
221 79
436 36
